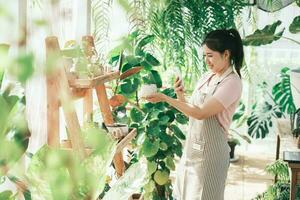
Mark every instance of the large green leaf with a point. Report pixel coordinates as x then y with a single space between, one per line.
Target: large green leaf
260 120
133 60
150 148
6 195
22 67
72 52
136 115
14 133
59 174
151 59
143 42
156 78
181 118
295 25
129 86
129 183
3 60
265 36
177 132
240 112
282 92
4 111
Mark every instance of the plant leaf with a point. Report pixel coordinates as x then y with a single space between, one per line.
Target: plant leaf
282 92
177 131
130 86
130 72
151 59
260 120
265 36
143 42
156 78
295 25
136 115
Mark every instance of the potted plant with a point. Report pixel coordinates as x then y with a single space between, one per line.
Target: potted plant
278 105
158 135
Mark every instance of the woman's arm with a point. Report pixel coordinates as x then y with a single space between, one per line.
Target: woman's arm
211 107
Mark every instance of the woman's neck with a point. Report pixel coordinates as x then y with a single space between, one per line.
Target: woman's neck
225 69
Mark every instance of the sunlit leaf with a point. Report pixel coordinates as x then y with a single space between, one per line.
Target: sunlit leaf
6 195
161 177
150 148
129 183
170 163
22 67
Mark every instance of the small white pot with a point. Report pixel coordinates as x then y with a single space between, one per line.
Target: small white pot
117 130
147 90
295 86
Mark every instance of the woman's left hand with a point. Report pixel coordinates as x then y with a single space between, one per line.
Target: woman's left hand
156 97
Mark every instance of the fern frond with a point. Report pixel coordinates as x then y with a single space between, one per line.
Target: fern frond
100 10
279 168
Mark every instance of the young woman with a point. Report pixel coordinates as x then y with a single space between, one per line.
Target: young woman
202 171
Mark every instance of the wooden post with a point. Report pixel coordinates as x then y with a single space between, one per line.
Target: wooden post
59 82
104 104
88 106
88 43
52 47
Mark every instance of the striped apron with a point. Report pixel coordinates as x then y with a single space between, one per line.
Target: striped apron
202 171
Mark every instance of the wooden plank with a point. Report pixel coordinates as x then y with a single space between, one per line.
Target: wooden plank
59 80
125 141
91 83
98 83
104 104
88 106
71 116
52 98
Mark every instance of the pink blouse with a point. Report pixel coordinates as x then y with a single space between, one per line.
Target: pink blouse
228 93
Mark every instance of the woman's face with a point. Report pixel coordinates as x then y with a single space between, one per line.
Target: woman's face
216 62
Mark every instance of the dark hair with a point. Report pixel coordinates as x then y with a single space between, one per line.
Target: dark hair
221 40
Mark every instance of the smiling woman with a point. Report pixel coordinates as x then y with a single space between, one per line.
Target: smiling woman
203 168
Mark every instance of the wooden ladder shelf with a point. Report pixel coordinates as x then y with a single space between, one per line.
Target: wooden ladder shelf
61 92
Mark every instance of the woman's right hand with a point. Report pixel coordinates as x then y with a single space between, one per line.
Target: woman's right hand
179 89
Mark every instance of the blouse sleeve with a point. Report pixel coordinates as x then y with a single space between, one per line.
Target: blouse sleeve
229 91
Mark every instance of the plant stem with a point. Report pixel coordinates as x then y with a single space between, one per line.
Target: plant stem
137 99
291 40
116 89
